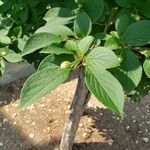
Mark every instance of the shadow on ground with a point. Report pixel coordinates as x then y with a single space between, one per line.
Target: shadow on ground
126 134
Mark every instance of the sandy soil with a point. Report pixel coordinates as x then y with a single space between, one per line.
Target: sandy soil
40 126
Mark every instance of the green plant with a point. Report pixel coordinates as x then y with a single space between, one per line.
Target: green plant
106 41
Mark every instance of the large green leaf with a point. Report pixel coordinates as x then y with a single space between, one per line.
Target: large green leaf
56 30
55 49
145 8
121 23
146 66
94 9
102 57
39 40
82 25
130 72
106 88
137 34
85 44
41 83
58 12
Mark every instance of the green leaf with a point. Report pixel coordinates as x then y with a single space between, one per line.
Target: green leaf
13 57
85 44
58 12
56 21
10 55
102 57
17 31
125 3
48 61
112 43
145 8
5 40
71 45
55 61
130 72
94 9
137 34
41 83
82 25
121 23
146 66
55 49
21 43
39 40
2 66
106 88
56 30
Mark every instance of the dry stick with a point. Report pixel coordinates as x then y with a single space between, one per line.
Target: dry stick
81 98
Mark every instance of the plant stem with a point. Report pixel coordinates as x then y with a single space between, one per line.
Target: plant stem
81 98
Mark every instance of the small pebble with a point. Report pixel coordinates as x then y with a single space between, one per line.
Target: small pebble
136 142
84 135
101 114
33 123
145 139
31 135
127 128
1 144
5 120
14 115
27 121
14 122
89 120
81 125
148 122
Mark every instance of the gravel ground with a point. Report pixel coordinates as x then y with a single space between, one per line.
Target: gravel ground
40 126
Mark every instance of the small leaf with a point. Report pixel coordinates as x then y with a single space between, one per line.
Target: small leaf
112 43
137 34
121 23
94 9
5 40
13 57
55 49
82 25
41 83
56 30
55 61
130 72
146 66
2 66
56 21
10 55
106 88
102 57
85 44
58 12
47 62
17 31
39 40
71 45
